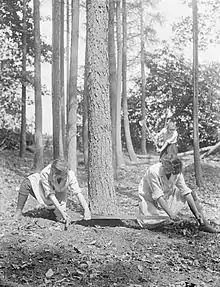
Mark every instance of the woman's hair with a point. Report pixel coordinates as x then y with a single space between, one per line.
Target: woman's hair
171 125
59 166
172 164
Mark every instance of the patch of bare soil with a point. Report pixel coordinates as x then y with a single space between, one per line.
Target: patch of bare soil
38 252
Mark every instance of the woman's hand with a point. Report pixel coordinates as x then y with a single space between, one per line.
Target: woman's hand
199 217
87 214
173 217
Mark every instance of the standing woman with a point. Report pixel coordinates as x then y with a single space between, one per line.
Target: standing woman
50 188
167 138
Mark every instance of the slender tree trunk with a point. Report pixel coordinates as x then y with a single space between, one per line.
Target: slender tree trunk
143 81
38 162
24 96
119 153
100 170
197 164
130 148
72 119
56 103
112 77
67 58
62 96
85 106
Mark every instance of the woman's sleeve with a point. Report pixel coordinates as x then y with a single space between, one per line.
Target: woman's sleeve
173 138
44 176
73 183
155 185
180 183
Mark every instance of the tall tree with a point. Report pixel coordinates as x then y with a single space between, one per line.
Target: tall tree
62 96
143 81
72 114
112 77
197 164
67 55
56 100
85 107
37 88
24 95
130 148
119 153
100 170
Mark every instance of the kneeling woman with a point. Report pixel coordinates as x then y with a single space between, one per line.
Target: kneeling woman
163 193
50 187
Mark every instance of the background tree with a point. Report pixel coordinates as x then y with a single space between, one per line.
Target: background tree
56 100
119 152
143 80
62 95
197 165
72 114
130 148
37 85
85 106
112 76
100 170
23 88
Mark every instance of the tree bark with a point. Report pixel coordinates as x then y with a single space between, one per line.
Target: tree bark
85 106
56 101
130 148
23 89
100 171
143 80
119 153
72 114
62 96
197 164
38 162
112 78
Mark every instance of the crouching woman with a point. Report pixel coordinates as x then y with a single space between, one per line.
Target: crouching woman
163 194
50 188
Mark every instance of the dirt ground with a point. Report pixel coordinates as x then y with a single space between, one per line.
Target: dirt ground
38 252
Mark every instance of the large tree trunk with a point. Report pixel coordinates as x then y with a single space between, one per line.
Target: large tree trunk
67 60
56 103
100 171
112 77
72 115
143 82
130 148
119 153
197 164
38 162
62 96
24 96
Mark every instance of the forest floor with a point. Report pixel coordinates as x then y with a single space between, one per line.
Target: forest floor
38 252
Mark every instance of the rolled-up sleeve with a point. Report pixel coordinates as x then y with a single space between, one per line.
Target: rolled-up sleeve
180 183
73 183
44 177
154 182
173 138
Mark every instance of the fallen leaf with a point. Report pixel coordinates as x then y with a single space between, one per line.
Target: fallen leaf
140 268
49 273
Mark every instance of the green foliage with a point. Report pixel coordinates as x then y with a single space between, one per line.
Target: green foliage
169 88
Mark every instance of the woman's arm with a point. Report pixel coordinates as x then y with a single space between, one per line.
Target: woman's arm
193 208
87 213
56 203
165 207
75 189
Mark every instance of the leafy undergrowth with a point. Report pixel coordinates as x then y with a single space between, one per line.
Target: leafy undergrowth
38 252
